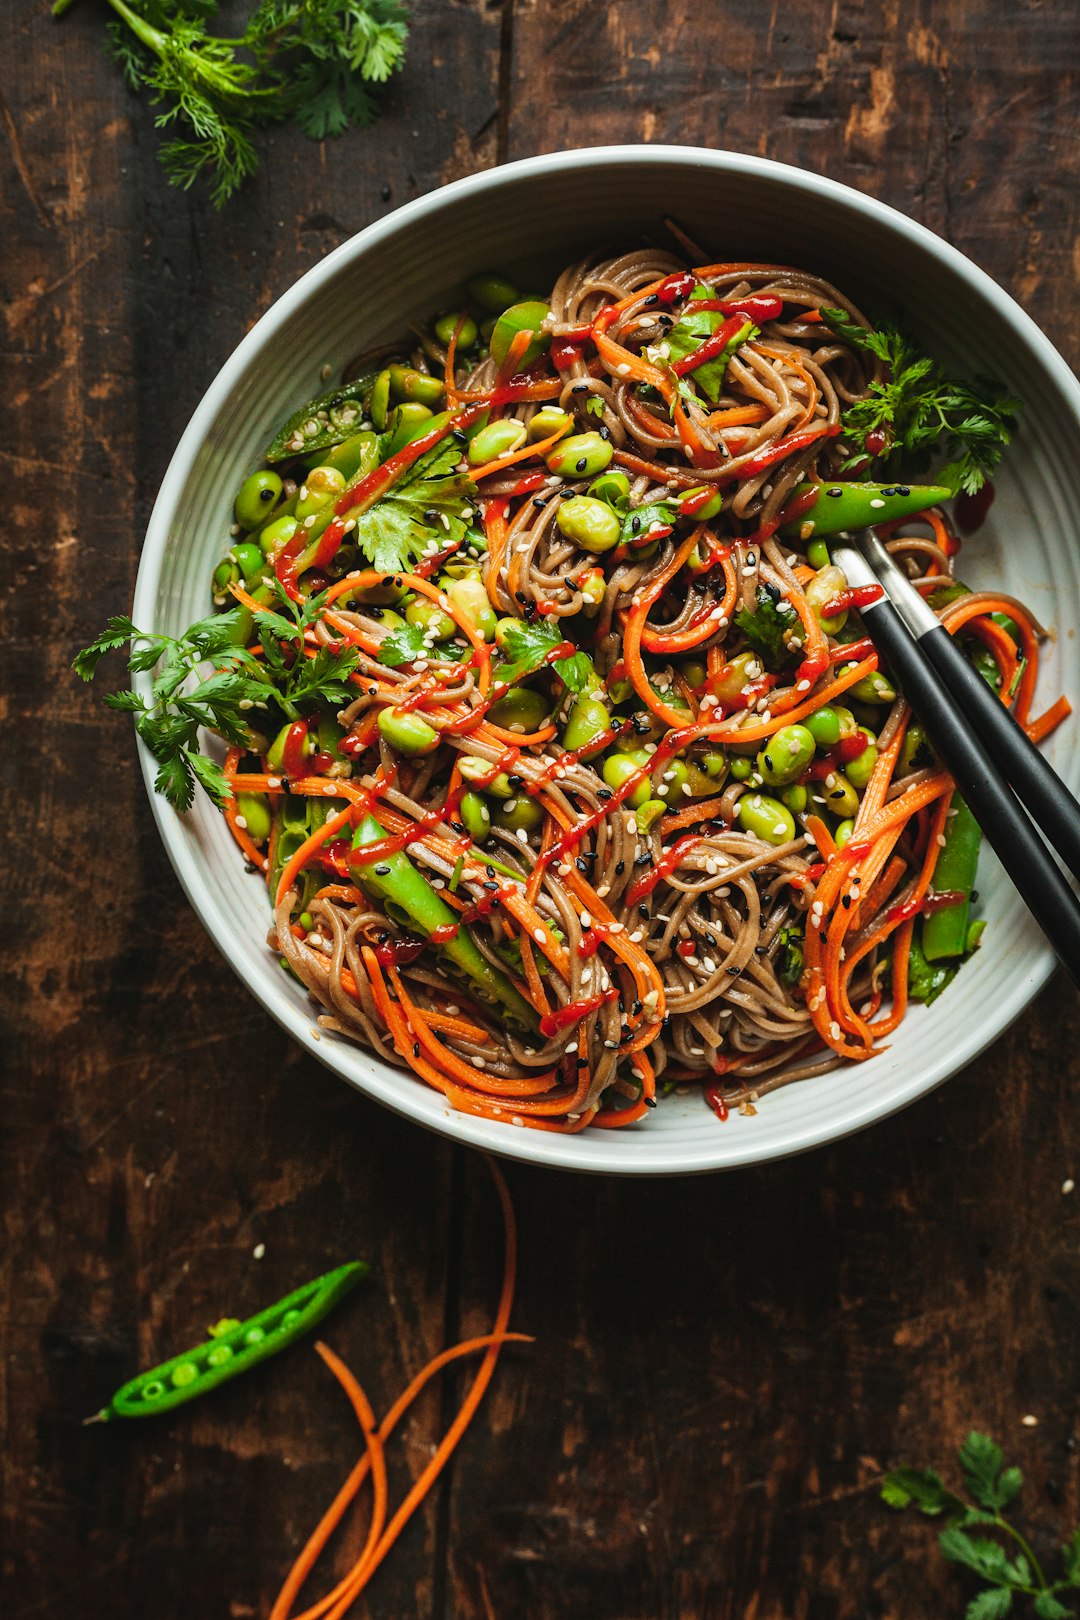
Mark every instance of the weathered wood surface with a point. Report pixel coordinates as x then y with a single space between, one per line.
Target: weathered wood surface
722 1367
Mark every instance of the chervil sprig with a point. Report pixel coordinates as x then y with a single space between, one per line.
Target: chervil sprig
916 409
315 62
230 698
994 1489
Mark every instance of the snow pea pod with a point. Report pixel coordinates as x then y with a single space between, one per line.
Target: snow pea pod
409 898
324 421
944 932
857 506
233 1348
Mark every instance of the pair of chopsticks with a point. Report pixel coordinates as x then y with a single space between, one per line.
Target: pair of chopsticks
992 760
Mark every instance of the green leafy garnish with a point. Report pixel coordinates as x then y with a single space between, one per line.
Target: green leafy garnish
766 626
403 646
789 955
184 699
393 533
921 410
314 62
594 405
525 649
993 1488
691 330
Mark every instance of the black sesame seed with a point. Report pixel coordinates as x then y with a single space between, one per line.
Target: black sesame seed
382 871
266 494
834 492
903 489
635 525
416 1049
837 794
651 300
516 781
492 888
620 868
650 1102
644 859
582 464
604 794
581 863
734 971
603 431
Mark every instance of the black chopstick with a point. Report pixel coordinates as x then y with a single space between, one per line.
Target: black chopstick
1019 848
1028 772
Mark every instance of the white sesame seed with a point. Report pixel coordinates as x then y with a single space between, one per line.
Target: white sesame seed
877 503
1029 1420
522 836
258 1251
479 1063
1068 1185
539 935
586 919
241 821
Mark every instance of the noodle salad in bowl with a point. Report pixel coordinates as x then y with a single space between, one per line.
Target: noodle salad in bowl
544 714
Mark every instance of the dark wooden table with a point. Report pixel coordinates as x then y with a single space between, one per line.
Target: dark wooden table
723 1367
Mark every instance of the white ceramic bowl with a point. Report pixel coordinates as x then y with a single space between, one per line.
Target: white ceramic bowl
538 214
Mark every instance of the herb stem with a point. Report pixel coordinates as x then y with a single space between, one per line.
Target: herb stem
1025 1547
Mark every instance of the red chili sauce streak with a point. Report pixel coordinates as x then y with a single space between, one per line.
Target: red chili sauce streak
714 1096
756 307
712 346
856 596
574 1012
936 900
970 511
294 749
662 868
399 952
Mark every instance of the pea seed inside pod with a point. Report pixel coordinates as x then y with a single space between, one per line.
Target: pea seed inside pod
582 456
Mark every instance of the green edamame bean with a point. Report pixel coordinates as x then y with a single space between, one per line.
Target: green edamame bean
476 817
693 672
458 322
183 1374
618 768
824 588
742 767
430 618
255 809
614 488
817 554
848 723
649 814
274 536
527 317
406 732
916 752
590 524
384 594
406 422
477 770
593 586
492 291
873 688
379 405
548 420
588 719
714 765
225 574
824 725
499 438
408 384
473 603
765 818
795 797
520 814
860 769
319 488
306 921
521 709
583 455
843 831
734 677
256 498
786 755
840 797
251 560
670 788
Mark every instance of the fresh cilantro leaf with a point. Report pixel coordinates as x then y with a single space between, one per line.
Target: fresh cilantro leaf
789 964
594 405
924 413
393 533
766 627
903 1487
116 634
639 521
1049 1607
525 649
691 330
981 1460
403 646
990 1605
979 1554
209 775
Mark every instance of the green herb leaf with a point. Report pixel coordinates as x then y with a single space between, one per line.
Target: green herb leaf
924 412
766 626
978 1553
921 1487
525 649
403 646
1049 1607
990 1605
393 533
1071 1554
981 1460
789 965
690 332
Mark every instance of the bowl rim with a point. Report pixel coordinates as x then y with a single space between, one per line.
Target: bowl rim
592 1152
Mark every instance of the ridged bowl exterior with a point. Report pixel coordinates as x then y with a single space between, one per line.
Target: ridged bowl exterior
539 214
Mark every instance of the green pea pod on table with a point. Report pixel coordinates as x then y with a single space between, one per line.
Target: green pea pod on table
232 1348
325 421
857 506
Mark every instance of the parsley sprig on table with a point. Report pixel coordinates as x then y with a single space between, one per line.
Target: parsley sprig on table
920 410
314 62
231 699
994 1489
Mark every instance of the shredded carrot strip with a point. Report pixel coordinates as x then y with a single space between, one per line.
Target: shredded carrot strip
635 626
248 846
1049 720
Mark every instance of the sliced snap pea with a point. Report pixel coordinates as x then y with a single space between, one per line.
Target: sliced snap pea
408 891
405 423
649 814
492 291
234 1348
380 400
817 554
944 932
323 421
857 506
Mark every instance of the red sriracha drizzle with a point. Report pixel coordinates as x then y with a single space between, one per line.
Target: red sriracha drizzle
712 346
856 596
663 868
399 952
573 1012
756 307
714 1096
936 900
294 749
676 287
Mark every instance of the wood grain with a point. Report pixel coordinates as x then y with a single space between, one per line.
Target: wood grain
722 1367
